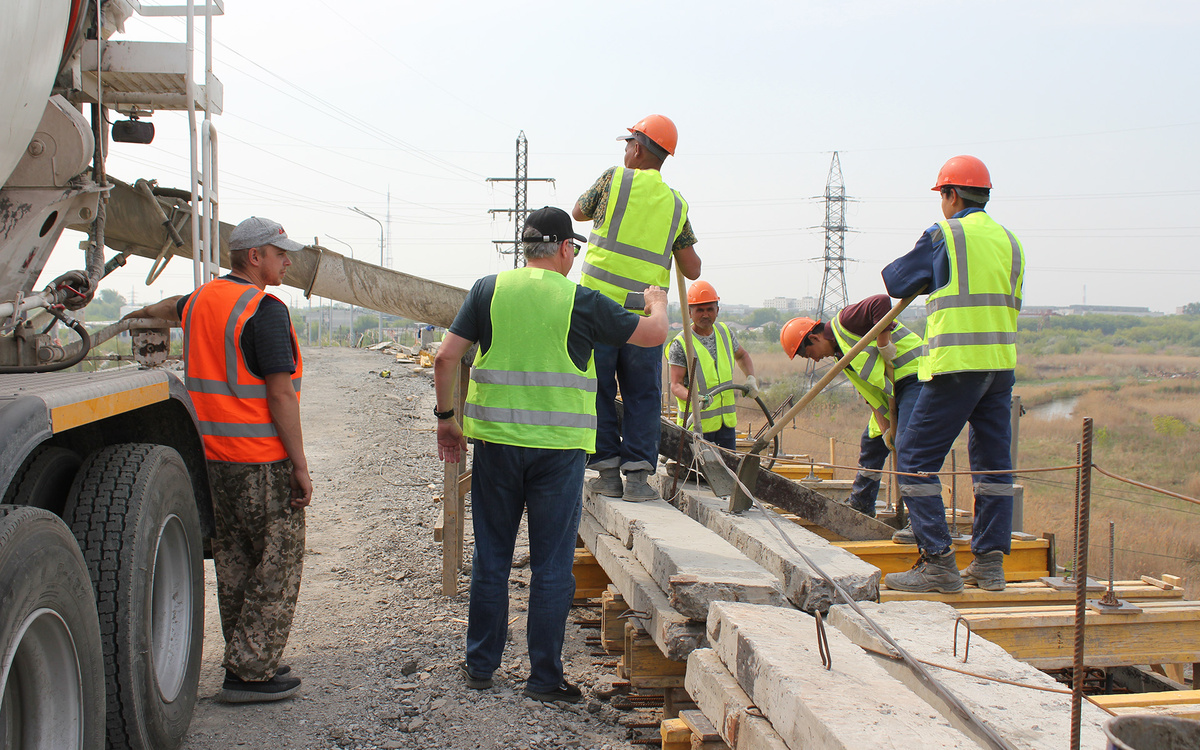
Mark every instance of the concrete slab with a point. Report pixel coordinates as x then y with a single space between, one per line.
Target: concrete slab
757 538
726 705
856 704
691 564
675 635
1026 718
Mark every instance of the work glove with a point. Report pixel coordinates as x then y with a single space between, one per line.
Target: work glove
888 352
752 384
704 400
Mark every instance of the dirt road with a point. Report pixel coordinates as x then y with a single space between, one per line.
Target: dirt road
374 640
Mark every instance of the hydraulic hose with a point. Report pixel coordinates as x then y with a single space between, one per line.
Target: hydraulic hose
84 344
745 390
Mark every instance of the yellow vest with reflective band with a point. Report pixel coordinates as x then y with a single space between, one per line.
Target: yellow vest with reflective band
525 390
972 324
868 371
631 248
711 373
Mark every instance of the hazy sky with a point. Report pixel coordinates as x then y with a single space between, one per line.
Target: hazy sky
1086 114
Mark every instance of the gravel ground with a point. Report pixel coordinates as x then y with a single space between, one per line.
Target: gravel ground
374 640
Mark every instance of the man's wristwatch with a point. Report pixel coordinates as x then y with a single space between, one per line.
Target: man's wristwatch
443 414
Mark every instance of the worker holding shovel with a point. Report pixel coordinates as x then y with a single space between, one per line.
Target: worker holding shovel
884 374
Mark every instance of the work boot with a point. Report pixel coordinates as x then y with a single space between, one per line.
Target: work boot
905 535
609 483
637 489
986 571
565 692
931 573
236 690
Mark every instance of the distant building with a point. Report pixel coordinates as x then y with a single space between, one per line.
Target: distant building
1140 312
787 304
735 309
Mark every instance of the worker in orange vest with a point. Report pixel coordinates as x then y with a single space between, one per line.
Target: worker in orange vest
242 369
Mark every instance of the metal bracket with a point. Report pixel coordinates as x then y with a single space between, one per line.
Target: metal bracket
967 642
823 643
1121 607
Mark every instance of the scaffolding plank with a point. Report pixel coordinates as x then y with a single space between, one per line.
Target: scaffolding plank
1029 558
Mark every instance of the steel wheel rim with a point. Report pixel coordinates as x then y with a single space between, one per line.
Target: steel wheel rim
41 687
172 599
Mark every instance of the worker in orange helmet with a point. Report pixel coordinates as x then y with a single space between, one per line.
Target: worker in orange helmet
973 270
717 348
640 225
878 383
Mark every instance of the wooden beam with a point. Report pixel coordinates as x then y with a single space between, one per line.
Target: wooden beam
1142 700
675 735
452 503
1026 594
612 626
1027 561
1164 632
645 666
590 578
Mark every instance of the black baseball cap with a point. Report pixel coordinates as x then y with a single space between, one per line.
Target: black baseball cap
552 224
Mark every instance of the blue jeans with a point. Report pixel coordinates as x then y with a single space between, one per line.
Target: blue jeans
946 404
724 437
507 480
633 446
873 452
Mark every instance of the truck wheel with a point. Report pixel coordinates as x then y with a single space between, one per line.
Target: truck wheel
51 660
46 479
133 512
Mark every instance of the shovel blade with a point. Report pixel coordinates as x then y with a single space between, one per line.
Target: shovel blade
739 501
716 473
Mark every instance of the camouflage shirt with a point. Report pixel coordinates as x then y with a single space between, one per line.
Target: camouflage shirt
594 201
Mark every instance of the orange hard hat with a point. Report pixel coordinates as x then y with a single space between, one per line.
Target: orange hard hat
659 129
701 292
963 171
793 334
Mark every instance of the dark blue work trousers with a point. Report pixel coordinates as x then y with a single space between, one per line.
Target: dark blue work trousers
506 481
634 445
945 405
723 437
873 451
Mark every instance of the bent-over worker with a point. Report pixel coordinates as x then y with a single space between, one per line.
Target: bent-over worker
868 371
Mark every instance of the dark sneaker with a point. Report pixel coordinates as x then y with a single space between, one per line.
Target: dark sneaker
986 571
283 671
473 682
608 483
931 573
565 692
905 535
237 690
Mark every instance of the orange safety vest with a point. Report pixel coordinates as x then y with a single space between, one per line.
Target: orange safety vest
231 402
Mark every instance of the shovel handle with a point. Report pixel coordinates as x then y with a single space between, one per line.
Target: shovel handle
863 343
689 348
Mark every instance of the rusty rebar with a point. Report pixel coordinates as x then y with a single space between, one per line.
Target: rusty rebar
1081 550
1110 596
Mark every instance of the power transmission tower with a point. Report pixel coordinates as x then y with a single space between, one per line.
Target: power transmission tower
518 211
833 286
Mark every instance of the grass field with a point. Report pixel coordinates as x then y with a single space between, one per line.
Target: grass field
1146 415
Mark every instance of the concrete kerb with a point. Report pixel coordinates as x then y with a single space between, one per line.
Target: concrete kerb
774 656
755 536
1026 718
693 565
726 705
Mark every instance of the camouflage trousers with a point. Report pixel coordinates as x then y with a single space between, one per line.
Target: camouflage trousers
258 552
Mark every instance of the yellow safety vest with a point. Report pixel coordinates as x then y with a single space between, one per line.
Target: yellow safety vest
711 373
868 371
631 248
525 390
972 324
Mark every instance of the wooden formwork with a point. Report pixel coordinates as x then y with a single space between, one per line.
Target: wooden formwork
1184 704
612 625
1029 594
1029 560
645 666
590 579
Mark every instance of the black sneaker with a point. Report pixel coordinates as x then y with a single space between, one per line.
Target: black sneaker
565 692
283 671
237 690
473 682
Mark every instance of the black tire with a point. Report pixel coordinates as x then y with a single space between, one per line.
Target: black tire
51 660
133 511
46 480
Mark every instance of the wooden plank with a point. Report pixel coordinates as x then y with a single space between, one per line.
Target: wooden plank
590 579
1141 700
1025 594
452 507
1166 632
439 525
612 627
1173 580
464 483
645 666
699 725
1027 561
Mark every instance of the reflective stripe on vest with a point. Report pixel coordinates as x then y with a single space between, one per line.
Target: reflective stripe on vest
525 390
972 324
631 248
231 402
868 371
722 412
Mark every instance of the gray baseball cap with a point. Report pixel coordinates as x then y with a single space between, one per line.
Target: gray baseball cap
257 231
